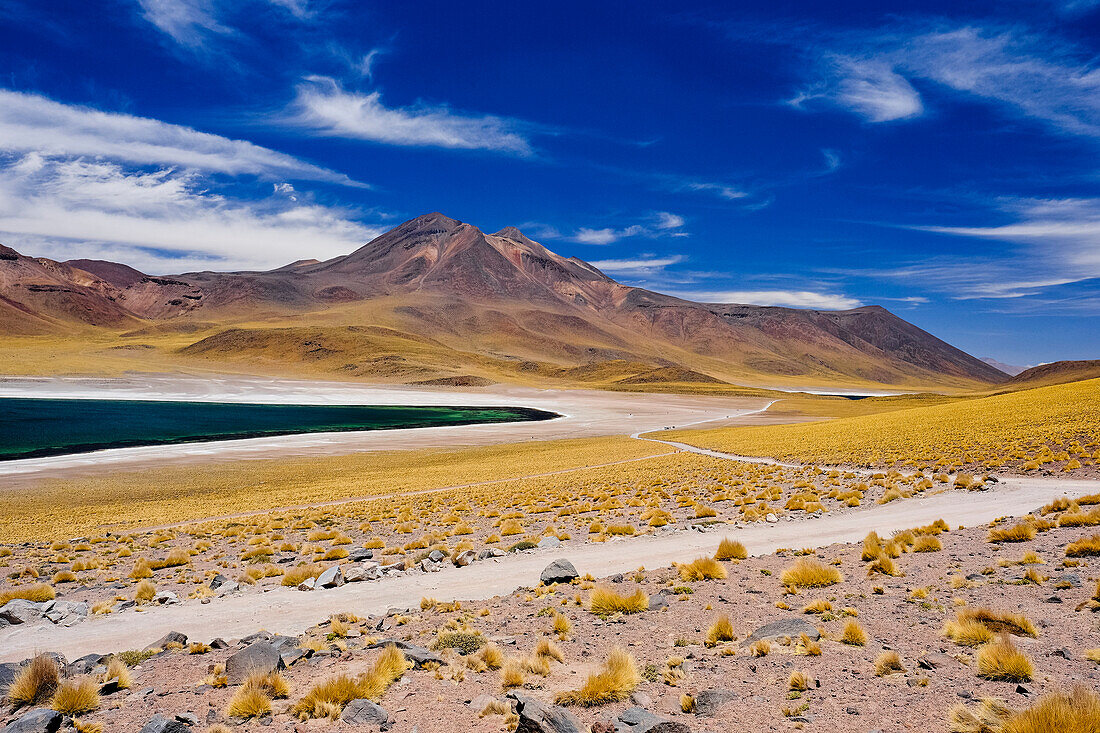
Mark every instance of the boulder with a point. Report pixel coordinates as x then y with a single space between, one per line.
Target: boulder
8 672
430 567
559 571
708 702
418 655
218 581
365 712
538 717
771 518
436 556
84 665
658 601
549 541
308 584
466 558
371 570
354 574
172 637
166 598
19 611
259 656
66 613
361 554
331 578
489 552
787 627
40 721
640 720
163 724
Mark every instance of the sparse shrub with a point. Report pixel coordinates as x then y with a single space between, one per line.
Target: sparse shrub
328 698
798 682
760 648
888 663
618 678
730 550
464 642
1084 547
35 683
145 591
927 543
1022 532
720 630
703 568
1001 660
604 602
37 593
807 573
76 696
853 634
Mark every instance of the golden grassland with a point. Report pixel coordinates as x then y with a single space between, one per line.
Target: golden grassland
1026 430
56 508
825 406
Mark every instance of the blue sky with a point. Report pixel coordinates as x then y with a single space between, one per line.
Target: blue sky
939 159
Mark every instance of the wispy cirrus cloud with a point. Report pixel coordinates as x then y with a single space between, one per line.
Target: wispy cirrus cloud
164 220
1031 73
785 298
324 107
33 123
657 225
637 266
193 23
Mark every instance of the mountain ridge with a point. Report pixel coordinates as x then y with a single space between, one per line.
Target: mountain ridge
503 296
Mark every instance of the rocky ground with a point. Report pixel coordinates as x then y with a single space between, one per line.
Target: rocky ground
722 684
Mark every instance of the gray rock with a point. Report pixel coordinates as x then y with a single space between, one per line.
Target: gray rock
189 719
418 655
1072 578
84 665
489 552
371 570
219 643
331 578
787 627
538 717
67 613
549 542
163 724
259 656
19 611
169 638
40 721
465 558
480 702
708 702
217 581
657 602
771 518
639 720
641 700
290 655
436 556
166 598
365 712
559 571
354 574
308 584
8 672
360 554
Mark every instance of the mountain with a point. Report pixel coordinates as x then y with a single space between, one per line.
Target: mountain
1057 372
436 298
1009 369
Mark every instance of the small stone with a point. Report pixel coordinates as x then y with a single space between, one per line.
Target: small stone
559 571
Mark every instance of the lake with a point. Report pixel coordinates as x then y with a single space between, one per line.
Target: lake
32 427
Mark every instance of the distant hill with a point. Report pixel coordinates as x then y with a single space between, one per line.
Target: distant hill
435 298
1008 369
1058 372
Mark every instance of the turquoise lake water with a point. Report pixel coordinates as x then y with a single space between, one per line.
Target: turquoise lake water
44 427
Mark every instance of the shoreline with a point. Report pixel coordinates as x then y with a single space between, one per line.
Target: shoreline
583 413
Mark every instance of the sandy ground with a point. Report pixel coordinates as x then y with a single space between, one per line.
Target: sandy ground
290 611
585 413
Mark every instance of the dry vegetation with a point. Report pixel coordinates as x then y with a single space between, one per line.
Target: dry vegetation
1053 428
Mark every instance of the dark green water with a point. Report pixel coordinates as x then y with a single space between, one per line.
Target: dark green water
46 427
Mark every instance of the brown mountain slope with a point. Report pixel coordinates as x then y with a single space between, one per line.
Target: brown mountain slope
1058 372
510 302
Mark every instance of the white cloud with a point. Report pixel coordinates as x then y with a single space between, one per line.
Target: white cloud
637 266
187 22
1040 77
785 298
324 107
33 123
730 193
659 224
165 220
874 91
667 220
1057 241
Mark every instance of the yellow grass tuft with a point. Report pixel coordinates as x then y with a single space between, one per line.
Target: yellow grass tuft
853 634
703 568
1000 622
248 702
117 670
807 573
1022 532
730 550
618 678
888 663
75 696
328 698
35 683
720 630
927 543
511 675
1084 547
604 601
1001 660
798 682
37 593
